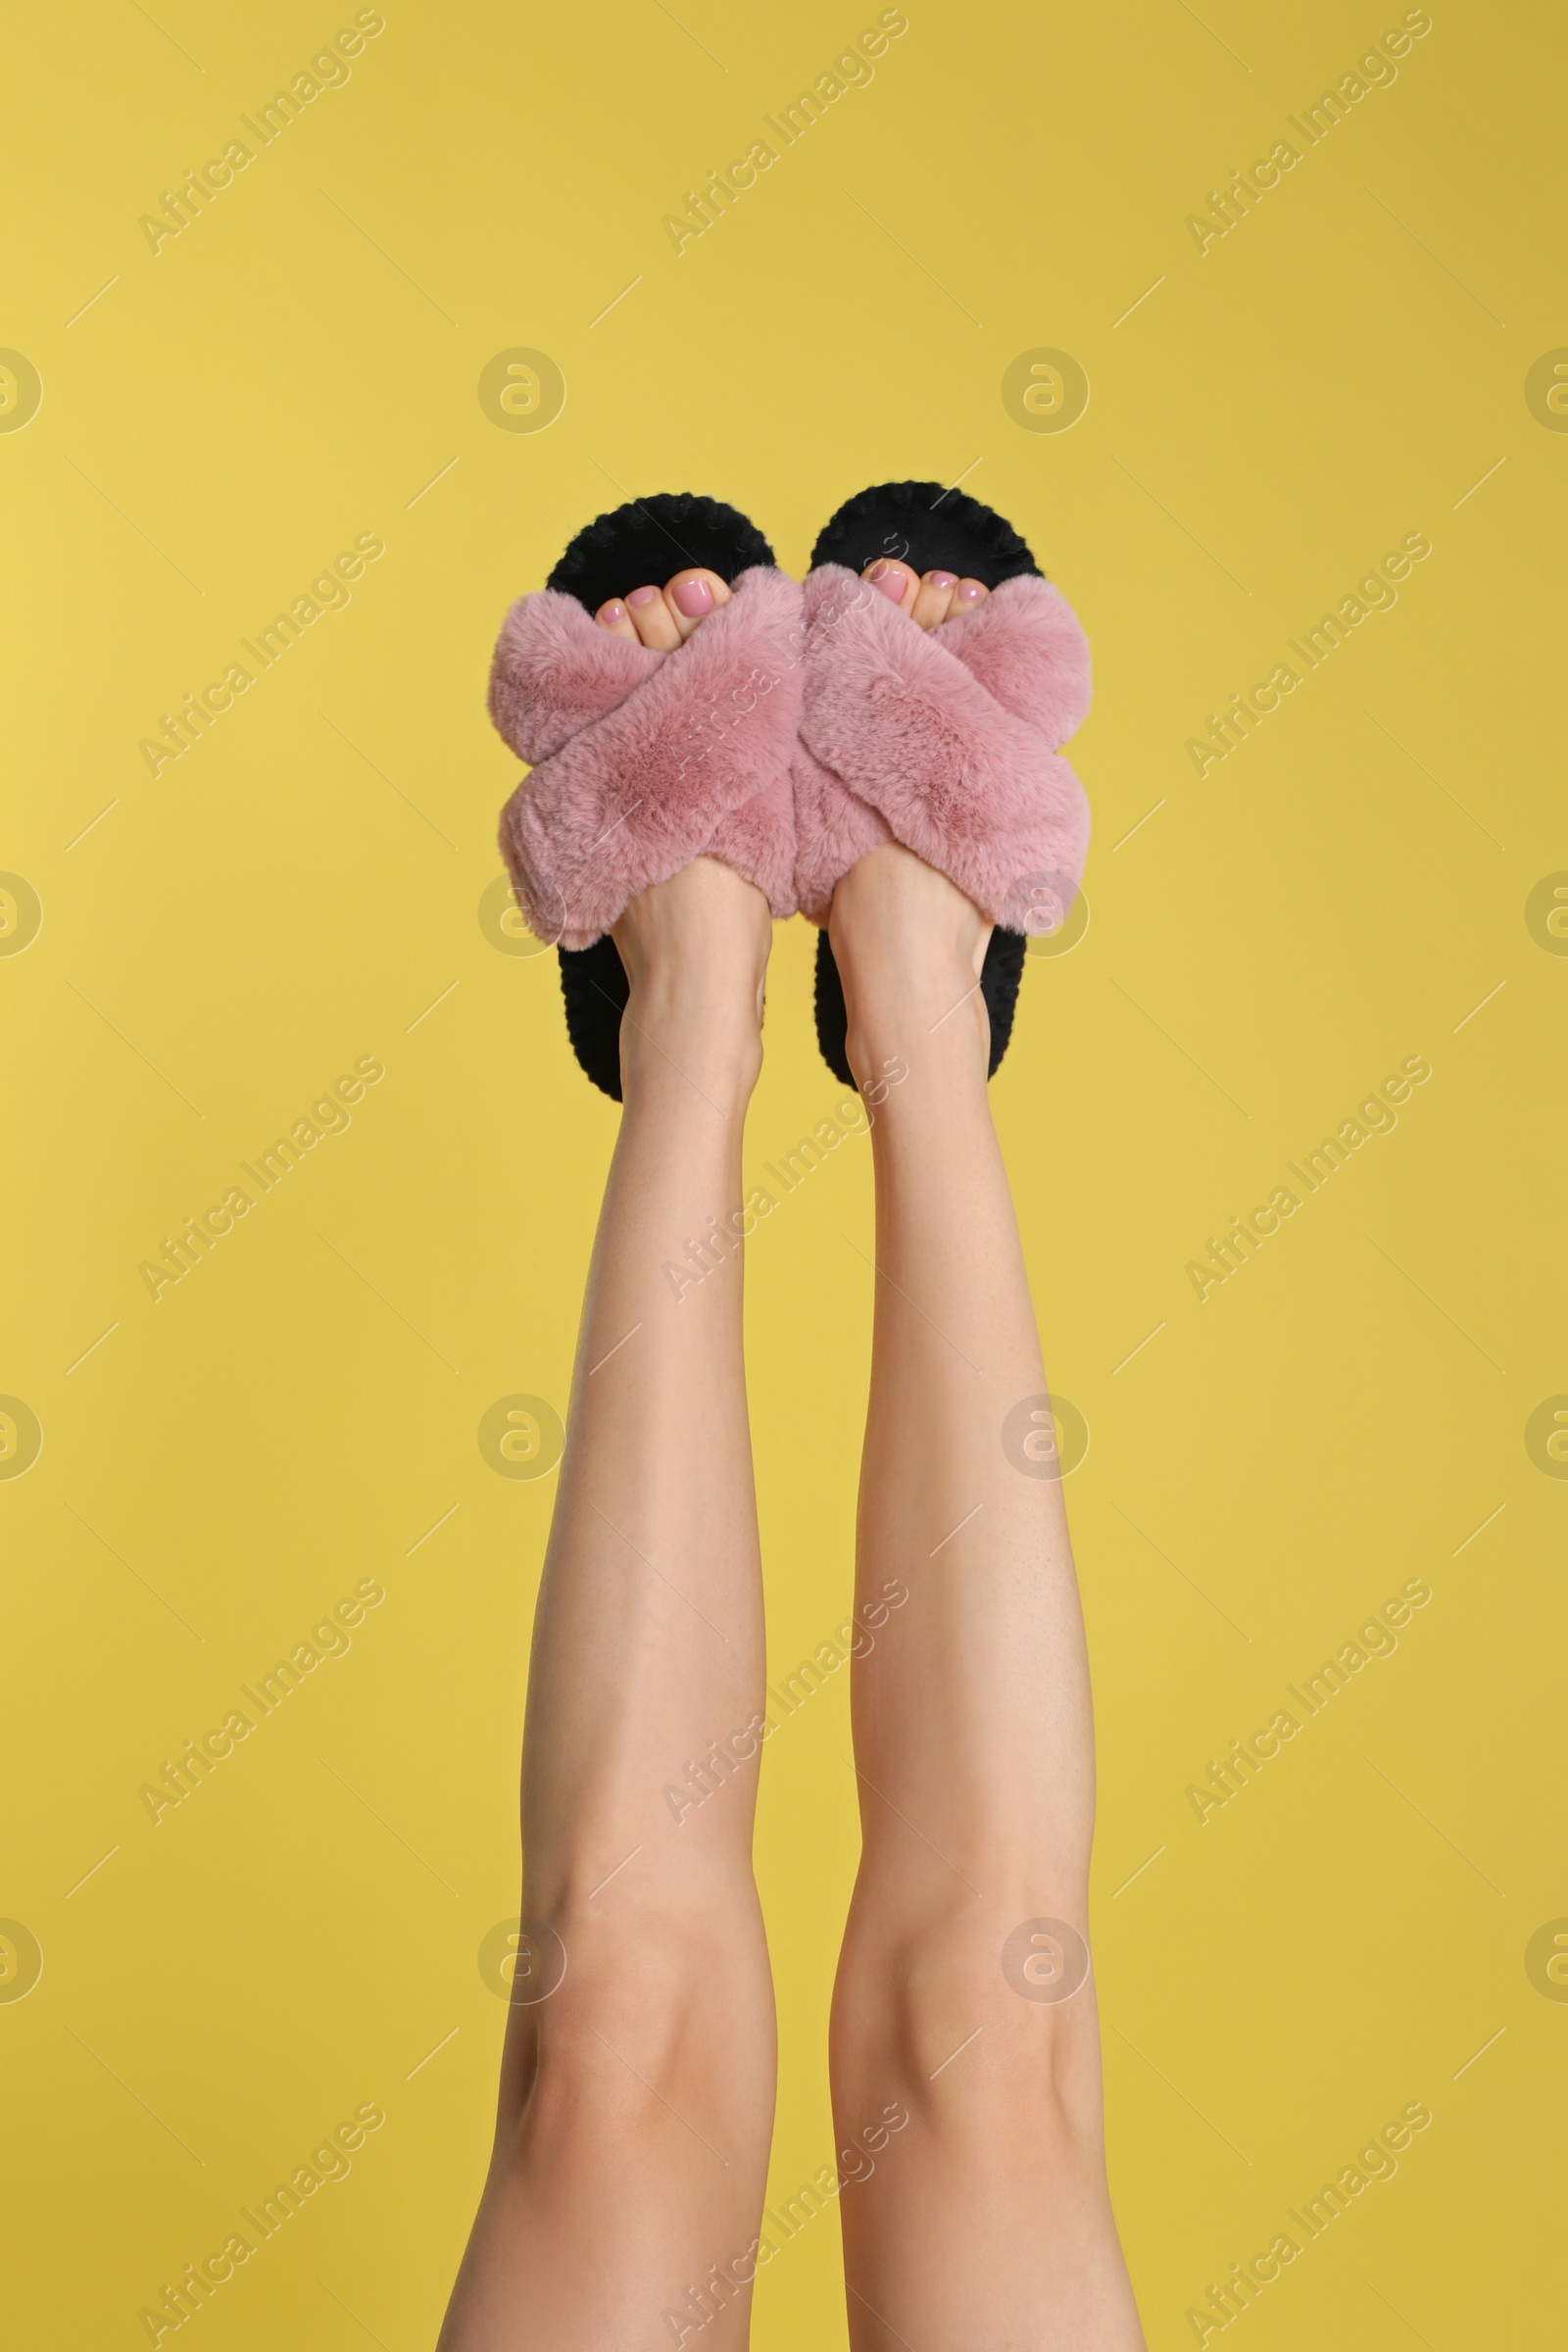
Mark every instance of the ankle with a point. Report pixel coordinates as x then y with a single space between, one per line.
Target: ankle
933 1026
920 1016
909 950
695 949
682 1029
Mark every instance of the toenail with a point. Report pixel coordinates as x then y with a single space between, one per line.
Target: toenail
642 595
970 592
613 612
942 579
891 579
694 598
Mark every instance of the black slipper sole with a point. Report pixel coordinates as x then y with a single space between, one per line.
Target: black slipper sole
635 545
931 529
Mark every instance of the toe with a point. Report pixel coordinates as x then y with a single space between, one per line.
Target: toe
691 596
652 619
967 596
615 617
934 599
896 581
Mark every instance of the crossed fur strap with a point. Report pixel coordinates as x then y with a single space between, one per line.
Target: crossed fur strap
643 760
946 740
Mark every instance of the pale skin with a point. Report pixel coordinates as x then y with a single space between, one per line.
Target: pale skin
637 2098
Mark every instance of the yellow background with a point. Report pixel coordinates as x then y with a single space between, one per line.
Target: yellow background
296 891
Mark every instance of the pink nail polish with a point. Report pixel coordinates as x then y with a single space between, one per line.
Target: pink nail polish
970 592
642 595
613 614
891 579
694 598
942 579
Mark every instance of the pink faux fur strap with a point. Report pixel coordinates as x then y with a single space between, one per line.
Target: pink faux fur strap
948 739
645 761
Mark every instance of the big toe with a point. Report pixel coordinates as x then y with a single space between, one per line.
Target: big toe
896 581
691 596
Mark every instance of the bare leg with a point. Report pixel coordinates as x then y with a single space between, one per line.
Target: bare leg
986 2224
637 2098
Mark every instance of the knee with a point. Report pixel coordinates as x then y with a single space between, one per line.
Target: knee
934 2015
625 2014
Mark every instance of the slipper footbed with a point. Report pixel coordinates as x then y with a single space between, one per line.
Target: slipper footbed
927 527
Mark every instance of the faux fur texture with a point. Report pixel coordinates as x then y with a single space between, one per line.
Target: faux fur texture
644 760
945 739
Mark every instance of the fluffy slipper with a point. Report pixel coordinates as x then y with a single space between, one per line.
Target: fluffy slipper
642 760
946 739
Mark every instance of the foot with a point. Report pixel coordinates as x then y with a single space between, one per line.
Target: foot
909 948
695 949
663 618
928 598
908 945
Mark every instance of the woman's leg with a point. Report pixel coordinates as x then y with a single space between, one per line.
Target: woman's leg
982 2224
637 2098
